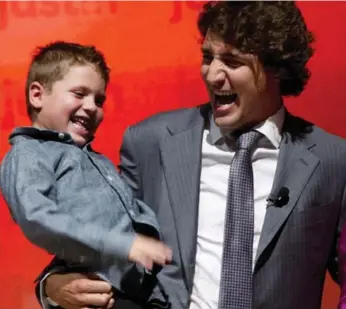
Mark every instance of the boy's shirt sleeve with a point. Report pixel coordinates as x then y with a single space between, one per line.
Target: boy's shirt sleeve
29 184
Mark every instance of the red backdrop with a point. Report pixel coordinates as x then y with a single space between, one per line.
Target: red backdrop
152 48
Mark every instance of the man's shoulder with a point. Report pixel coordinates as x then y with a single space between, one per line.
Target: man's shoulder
313 134
327 144
325 137
167 117
157 124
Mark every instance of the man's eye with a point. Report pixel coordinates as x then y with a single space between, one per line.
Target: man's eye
232 64
206 59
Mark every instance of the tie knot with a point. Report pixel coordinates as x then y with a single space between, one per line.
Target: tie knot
248 140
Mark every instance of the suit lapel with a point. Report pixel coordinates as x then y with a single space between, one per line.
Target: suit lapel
181 159
295 166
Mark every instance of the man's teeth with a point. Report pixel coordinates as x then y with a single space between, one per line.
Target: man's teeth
225 98
223 94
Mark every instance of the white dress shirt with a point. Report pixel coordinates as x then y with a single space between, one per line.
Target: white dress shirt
216 160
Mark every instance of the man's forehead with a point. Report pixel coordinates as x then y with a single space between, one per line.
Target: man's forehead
216 45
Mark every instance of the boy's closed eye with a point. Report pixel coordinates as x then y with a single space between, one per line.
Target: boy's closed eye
79 94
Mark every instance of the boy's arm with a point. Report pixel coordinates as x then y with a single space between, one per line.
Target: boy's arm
28 185
130 172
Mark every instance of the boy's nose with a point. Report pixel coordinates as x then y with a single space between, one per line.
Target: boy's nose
90 105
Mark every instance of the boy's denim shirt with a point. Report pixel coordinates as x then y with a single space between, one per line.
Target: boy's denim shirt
72 202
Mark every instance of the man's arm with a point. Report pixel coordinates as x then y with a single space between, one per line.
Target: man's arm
128 166
75 291
130 170
29 185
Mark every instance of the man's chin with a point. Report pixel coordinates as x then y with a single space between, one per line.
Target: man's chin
226 122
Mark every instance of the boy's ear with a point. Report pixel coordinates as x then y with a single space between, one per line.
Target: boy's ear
36 92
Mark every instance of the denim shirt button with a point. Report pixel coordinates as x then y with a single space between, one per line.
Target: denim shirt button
110 178
61 136
82 259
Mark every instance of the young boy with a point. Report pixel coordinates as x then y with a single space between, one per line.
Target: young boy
67 198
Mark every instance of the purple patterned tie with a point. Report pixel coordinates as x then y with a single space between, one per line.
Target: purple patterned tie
236 271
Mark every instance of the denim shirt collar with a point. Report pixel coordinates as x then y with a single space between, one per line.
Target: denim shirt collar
44 134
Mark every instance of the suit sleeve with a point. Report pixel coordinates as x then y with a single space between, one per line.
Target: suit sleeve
128 166
28 183
130 170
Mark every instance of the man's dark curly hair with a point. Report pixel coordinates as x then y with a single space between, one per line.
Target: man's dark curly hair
274 31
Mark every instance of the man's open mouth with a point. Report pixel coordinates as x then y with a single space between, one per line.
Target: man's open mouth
225 98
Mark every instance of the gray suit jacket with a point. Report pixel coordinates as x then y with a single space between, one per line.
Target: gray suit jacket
161 161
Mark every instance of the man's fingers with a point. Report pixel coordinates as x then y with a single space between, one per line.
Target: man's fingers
91 286
94 299
111 303
93 276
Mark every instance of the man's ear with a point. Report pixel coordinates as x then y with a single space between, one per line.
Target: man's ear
36 92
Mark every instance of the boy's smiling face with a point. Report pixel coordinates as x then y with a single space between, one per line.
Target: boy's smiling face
73 105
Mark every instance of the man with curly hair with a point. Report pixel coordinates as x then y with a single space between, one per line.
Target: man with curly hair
249 196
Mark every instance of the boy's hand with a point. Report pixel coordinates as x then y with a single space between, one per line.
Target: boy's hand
147 251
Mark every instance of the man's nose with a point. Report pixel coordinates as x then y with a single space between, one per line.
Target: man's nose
216 75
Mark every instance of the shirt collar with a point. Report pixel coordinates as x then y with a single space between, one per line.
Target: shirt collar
270 128
44 134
